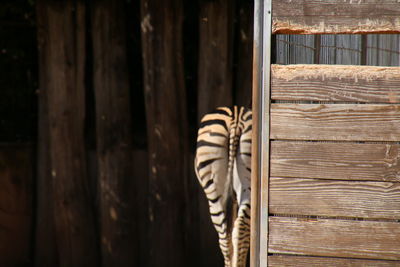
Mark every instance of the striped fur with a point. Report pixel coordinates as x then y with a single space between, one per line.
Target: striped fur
222 166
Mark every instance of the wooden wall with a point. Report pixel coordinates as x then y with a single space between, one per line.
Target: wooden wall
108 171
117 113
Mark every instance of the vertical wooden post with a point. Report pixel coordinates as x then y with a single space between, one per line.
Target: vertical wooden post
114 134
140 172
243 72
167 128
62 65
45 248
215 55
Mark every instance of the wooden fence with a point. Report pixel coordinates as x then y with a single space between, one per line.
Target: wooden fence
327 138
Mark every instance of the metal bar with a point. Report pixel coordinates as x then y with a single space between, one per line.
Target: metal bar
255 167
317 48
265 124
260 147
364 49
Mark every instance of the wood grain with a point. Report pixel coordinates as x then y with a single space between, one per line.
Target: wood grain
377 200
244 53
336 83
215 56
166 111
335 122
113 134
63 64
346 161
45 249
334 238
335 16
303 261
140 171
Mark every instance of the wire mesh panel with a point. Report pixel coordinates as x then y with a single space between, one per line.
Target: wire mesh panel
343 49
383 50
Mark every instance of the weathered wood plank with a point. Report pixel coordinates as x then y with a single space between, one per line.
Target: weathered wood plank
113 130
336 83
334 238
346 161
377 200
335 16
16 190
167 130
304 261
45 249
140 174
215 55
63 67
335 122
244 55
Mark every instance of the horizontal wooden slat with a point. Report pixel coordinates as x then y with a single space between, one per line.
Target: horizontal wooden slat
304 261
378 200
334 238
336 83
345 161
352 122
335 16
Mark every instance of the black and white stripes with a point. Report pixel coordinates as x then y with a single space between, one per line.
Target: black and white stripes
222 166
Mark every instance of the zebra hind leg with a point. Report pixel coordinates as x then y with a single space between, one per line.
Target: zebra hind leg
241 236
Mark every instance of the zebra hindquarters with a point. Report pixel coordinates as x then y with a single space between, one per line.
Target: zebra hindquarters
211 166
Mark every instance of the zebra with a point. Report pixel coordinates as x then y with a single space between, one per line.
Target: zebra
222 166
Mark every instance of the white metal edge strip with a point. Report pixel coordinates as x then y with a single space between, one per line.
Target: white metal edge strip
260 150
265 128
256 136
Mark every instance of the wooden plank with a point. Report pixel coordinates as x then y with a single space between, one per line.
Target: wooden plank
377 200
215 56
63 67
244 55
167 127
335 16
113 134
346 161
16 197
45 249
336 83
334 238
303 261
351 122
140 174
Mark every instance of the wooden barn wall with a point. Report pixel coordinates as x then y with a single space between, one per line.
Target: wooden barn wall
109 132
